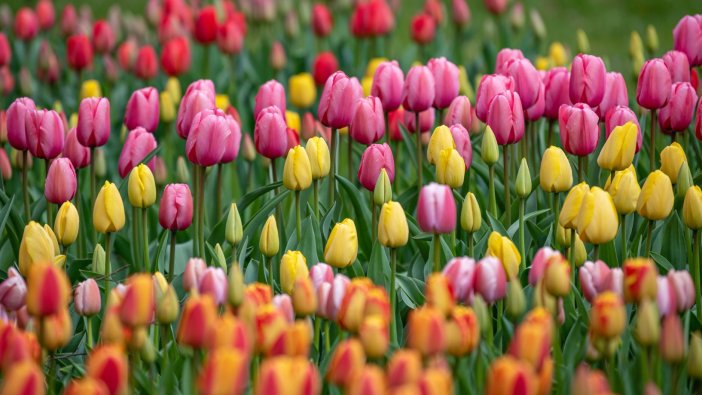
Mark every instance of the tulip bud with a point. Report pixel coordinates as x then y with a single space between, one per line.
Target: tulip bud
45 278
580 253
635 45
302 90
619 149
108 212
318 155
219 260
297 173
374 336
656 198
672 344
234 231
692 208
651 39
597 221
383 189
393 231
583 43
304 298
425 331
489 149
182 171
568 216
516 302
167 106
625 190
66 224
441 139
694 357
450 168
167 306
141 187
87 300
647 328
685 181
509 375
523 185
471 219
404 368
504 249
342 245
137 306
672 157
639 279
98 261
199 314
235 285
557 276
108 364
90 88
607 316
293 265
555 173
36 247
346 361
268 243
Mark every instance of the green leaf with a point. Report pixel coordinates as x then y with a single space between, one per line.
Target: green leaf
362 212
412 290
515 226
250 197
379 265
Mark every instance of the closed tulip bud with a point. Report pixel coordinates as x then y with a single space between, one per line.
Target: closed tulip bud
79 52
342 246
293 265
654 85
647 329
136 148
61 181
672 157
108 212
375 158
563 235
523 186
270 134
339 94
93 129
141 187
694 357
234 230
137 306
425 331
167 107
86 385
450 168
219 260
619 149
555 173
388 81
142 109
441 139
48 289
624 189
318 155
515 303
436 209
45 133
167 306
597 221
677 114
672 343
502 248
506 117
692 208
374 336
302 90
651 38
87 300
489 149
199 314
98 262
304 298
108 364
176 207
90 89
636 47
213 138
656 198
607 316
23 377
268 243
36 247
571 206
393 231
579 129
346 362
557 276
620 115
182 171
685 181
297 173
235 285
587 80
383 189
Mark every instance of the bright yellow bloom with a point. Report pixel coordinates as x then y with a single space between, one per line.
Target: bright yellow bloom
450 168
222 101
342 245
90 88
656 198
303 92
583 41
292 119
173 88
108 212
556 174
501 247
393 231
66 224
318 154
672 158
167 107
651 38
373 65
440 140
692 208
471 219
293 265
635 45
625 190
558 54
571 206
619 149
297 173
597 221
542 63
36 247
141 187
269 242
367 85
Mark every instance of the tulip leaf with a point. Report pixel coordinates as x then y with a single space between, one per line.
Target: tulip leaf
162 238
363 214
515 226
673 245
412 290
495 224
247 199
663 263
256 222
378 266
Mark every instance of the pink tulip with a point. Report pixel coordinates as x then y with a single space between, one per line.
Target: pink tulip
536 111
231 149
419 90
5 166
698 120
175 210
5 51
387 85
87 300
375 158
446 86
678 65
213 282
93 128
538 264
677 114
684 288
505 58
616 282
338 291
490 280
209 137
293 138
459 113
462 140
426 120
283 303
595 278
17 122
527 81
45 133
269 94
666 298
199 96
270 134
61 181
506 117
324 301
615 94
436 209
13 291
142 109
587 80
620 115
490 85
368 122
653 87
556 91
460 273
338 96
78 154
137 146
579 129
687 36
460 13
321 273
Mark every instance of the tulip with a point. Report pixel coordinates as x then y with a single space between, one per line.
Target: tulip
556 94
342 246
295 373
619 116
587 80
607 317
388 81
86 385
90 88
302 90
418 92
108 212
597 221
647 329
579 130
79 52
619 149
67 224
322 20
87 298
490 279
346 361
595 278
625 190
324 65
318 155
503 249
393 231
48 290
436 209
213 138
685 35
694 356
339 94
672 344
509 375
23 377
506 117
45 133
404 368
199 314
471 218
367 123
61 182
677 114
216 375
5 51
108 364
93 129
369 380
213 282
268 243
297 174
445 76
269 94
206 25
176 207
425 331
439 294
672 159
175 56
459 113
13 291
277 57
422 29
555 173
138 145
656 199
142 109
527 81
490 85
654 85
141 187
36 247
532 339
557 276
409 121
293 265
270 134
678 65
18 121
374 159
199 96
441 139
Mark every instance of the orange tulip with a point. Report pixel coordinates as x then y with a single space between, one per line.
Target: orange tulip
462 331
374 336
426 331
112 330
16 346
109 365
589 382
199 314
404 368
287 375
370 381
546 377
377 303
137 307
304 297
225 371
48 290
531 342
24 378
86 386
436 381
353 304
607 315
229 332
640 276
270 325
507 373
439 294
297 339
346 362
56 330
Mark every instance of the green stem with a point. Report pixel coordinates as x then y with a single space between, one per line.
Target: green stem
349 157
92 187
201 214
393 295
498 328
81 241
164 347
557 354
622 226
171 257
549 135
505 182
25 185
218 200
649 235
136 240
596 252
315 189
145 234
52 372
334 157
571 254
644 364
471 245
196 222
374 229
89 326
581 168
298 219
50 213
437 252
696 270
418 131
652 133
270 272
522 249
317 329
491 190
327 336
108 268
556 210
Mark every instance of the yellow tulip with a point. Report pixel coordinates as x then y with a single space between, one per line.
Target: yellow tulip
173 88
66 224
625 190
542 63
108 212
73 121
672 158
450 168
342 245
293 265
440 140
141 187
471 219
393 231
597 221
292 119
222 101
269 243
303 92
555 173
36 247
54 240
318 154
692 208
635 45
367 85
90 88
167 107
656 198
571 206
234 230
297 173
619 149
558 54
501 247
563 235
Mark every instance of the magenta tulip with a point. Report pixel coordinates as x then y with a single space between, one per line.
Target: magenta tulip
462 140
61 181
426 120
339 95
375 158
213 282
93 129
505 58
77 153
209 137
387 85
620 115
368 121
615 94
17 122
142 109
490 85
436 209
527 81
677 115
446 86
587 80
460 273
45 133
5 51
579 129
270 134
269 94
13 291
506 117
87 300
687 37
490 280
459 113
199 96
653 87
136 148
419 90
175 210
556 91
678 65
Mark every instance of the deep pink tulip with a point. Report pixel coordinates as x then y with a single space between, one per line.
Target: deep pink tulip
77 153
270 134
375 158
527 81
137 146
199 96
422 28
45 133
496 7
283 303
490 280
653 87
538 264
595 278
231 149
26 24
698 120
677 114
426 121
387 85
93 129
556 91
462 140
103 37
587 80
536 111
460 13
506 117
175 211
460 273
230 38
69 20
271 93
504 59
620 115
195 266
322 20
61 181
46 15
338 96
209 137
459 113
615 94
687 36
87 300
213 282
436 209
5 51
368 122
17 122
579 129
142 109
419 90
678 65
13 291
446 86
490 85
684 289
321 273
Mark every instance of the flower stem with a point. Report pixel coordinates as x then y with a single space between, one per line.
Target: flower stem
298 220
334 157
437 252
622 226
649 236
508 205
652 133
108 268
315 189
571 255
145 235
136 240
89 327
522 249
696 270
471 245
581 168
374 228
393 296
349 158
171 257
92 186
196 222
201 209
218 201
418 130
491 191
25 185
556 210
327 336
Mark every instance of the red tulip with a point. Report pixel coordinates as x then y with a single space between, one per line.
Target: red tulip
324 65
146 65
615 94
26 24
175 56
446 86
686 38
69 20
339 95
436 209
556 91
61 182
199 96
496 6
490 280
206 25
137 146
395 118
270 134
587 80
387 85
678 65
126 54
653 87
45 14
230 38
375 158
45 134
209 137
490 85
322 20
619 116
17 120
79 52
272 93
677 114
506 117
579 129
93 128
5 51
175 210
422 29
368 122
103 37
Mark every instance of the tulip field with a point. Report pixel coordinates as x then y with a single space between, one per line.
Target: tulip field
347 197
